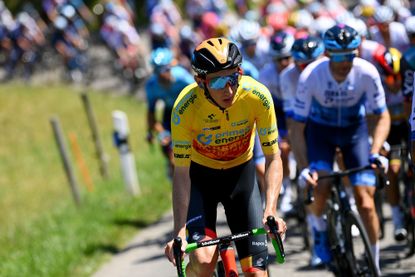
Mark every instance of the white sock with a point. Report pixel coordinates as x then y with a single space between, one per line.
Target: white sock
375 252
286 183
318 223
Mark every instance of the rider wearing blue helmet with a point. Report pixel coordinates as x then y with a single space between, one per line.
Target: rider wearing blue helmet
164 84
330 109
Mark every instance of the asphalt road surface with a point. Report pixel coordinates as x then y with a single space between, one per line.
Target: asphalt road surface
144 255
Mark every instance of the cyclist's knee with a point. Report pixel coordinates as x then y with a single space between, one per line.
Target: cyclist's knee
202 261
256 264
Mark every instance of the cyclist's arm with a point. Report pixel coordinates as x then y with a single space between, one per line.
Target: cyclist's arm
299 144
297 140
273 180
181 196
381 130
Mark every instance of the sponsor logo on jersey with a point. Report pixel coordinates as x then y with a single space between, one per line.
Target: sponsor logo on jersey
265 102
182 107
239 123
211 118
228 149
206 140
270 143
267 131
211 128
182 144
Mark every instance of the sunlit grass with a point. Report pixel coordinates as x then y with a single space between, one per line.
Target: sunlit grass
42 233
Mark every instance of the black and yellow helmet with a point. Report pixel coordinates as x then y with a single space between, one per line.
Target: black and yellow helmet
215 54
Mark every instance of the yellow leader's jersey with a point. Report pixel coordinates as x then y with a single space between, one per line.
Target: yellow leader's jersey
221 139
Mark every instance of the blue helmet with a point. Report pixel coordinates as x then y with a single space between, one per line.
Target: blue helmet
161 57
307 49
341 38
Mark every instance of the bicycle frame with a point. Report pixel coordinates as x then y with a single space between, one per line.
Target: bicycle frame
226 240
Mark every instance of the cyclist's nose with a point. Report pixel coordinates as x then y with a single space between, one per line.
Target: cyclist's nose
229 89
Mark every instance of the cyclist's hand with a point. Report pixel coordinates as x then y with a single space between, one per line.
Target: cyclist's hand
378 161
150 137
164 137
281 226
307 177
168 250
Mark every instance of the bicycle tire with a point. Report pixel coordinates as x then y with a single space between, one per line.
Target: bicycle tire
379 210
361 264
339 266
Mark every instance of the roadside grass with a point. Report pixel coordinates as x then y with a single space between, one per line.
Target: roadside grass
42 232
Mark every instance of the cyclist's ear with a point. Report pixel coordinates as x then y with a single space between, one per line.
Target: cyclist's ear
199 81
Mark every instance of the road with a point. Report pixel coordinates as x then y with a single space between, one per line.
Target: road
144 255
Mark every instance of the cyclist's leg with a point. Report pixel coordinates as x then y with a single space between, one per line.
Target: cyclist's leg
397 134
320 153
244 212
356 154
201 219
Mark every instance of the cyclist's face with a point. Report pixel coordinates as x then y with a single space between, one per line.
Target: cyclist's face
223 85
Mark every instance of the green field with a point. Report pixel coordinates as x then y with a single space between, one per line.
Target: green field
42 232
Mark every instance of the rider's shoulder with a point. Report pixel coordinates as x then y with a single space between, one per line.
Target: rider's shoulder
364 66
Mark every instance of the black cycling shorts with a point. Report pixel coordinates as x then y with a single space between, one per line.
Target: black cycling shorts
237 190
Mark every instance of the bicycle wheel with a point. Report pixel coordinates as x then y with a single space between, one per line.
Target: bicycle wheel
340 265
359 254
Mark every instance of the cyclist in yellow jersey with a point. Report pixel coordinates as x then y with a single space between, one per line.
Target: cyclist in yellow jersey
213 130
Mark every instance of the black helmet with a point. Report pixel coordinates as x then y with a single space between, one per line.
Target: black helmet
307 49
280 45
215 54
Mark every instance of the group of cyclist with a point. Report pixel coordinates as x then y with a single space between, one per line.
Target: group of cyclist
307 77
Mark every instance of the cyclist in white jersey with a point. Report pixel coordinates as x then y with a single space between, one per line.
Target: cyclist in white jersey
304 51
331 99
388 32
269 75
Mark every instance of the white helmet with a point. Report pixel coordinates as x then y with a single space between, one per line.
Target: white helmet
248 31
383 14
410 25
358 24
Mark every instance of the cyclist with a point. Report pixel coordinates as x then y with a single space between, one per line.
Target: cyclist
304 51
388 63
331 98
213 129
388 32
269 75
165 84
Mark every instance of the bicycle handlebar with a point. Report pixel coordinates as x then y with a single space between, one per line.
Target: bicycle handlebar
276 243
383 180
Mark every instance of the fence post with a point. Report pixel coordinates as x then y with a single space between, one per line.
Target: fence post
57 131
102 157
121 132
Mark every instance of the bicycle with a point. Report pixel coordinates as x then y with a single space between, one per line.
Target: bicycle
352 255
227 267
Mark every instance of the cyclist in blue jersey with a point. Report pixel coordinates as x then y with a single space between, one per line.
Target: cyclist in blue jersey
408 60
330 109
165 84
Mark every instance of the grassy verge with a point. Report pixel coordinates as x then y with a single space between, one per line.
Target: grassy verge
42 233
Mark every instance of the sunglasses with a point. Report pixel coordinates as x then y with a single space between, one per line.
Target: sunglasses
220 82
342 57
